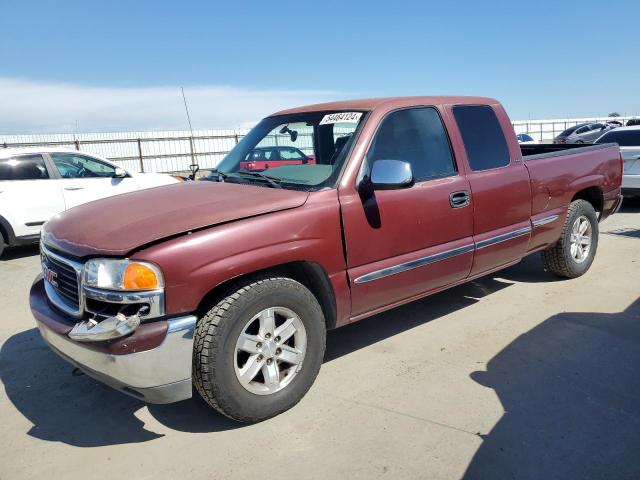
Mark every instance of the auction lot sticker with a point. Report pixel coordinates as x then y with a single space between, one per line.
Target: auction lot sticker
341 117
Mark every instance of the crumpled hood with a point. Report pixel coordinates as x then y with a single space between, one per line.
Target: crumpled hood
117 225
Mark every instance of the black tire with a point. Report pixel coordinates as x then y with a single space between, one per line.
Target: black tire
558 258
3 243
218 330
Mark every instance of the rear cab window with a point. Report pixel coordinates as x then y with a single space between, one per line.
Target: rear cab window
482 136
23 167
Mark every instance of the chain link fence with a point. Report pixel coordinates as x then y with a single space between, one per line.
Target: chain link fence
544 131
174 151
171 151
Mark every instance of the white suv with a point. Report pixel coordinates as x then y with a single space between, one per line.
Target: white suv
37 184
628 138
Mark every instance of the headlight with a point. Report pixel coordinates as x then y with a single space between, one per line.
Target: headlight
127 275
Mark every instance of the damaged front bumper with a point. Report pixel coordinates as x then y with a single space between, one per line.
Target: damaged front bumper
153 363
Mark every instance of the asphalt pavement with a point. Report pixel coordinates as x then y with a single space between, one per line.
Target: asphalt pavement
516 375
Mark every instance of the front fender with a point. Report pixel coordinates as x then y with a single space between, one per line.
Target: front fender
195 264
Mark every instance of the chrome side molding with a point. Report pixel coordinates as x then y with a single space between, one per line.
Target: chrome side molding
420 262
487 242
544 220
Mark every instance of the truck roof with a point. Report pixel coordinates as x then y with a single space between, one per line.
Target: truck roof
388 103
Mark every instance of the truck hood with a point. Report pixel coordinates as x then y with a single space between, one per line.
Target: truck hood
117 225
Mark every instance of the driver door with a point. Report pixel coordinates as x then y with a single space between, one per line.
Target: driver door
403 243
85 179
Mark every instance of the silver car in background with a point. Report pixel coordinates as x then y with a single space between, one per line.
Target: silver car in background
583 133
629 140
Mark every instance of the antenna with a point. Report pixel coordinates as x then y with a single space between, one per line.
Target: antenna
186 108
194 167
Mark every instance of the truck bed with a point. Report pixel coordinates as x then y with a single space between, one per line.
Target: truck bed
561 170
546 150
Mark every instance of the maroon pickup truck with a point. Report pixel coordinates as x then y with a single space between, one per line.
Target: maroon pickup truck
230 285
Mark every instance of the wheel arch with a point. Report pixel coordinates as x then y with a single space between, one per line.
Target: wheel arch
7 231
594 195
310 274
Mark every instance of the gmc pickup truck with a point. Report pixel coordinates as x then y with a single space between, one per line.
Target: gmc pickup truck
230 285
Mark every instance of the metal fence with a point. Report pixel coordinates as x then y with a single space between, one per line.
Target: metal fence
545 131
174 151
171 151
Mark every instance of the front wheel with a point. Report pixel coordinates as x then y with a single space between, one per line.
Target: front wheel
258 350
572 255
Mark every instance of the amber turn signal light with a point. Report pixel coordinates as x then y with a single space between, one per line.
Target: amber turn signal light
139 277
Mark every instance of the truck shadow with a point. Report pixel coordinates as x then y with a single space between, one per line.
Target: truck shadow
630 205
67 406
74 409
570 389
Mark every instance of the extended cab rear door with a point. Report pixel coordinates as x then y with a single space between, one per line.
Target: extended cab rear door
402 243
499 181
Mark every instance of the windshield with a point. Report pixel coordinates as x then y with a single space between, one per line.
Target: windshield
303 151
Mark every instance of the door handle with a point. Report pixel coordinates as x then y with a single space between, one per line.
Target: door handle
459 199
71 189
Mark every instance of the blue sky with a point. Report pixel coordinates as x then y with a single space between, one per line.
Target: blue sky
237 60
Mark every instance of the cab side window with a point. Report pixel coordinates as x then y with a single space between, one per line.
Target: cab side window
71 165
416 136
483 137
23 167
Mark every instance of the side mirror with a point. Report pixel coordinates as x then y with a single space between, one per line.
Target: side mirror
387 175
391 175
119 173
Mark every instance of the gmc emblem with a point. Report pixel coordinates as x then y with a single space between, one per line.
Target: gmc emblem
50 275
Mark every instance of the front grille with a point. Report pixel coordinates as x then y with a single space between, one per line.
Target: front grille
63 279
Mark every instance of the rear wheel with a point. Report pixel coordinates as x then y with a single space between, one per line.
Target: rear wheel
3 243
573 254
258 350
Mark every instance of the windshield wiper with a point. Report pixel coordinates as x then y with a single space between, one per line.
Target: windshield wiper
215 176
274 182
